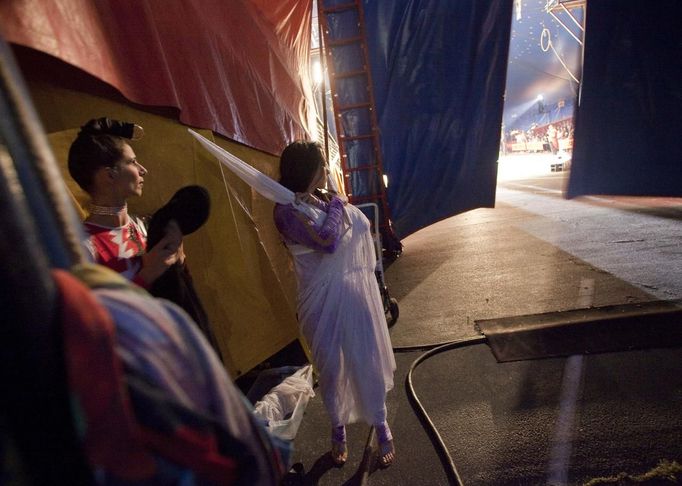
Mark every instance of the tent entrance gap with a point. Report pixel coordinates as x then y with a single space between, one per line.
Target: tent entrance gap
542 89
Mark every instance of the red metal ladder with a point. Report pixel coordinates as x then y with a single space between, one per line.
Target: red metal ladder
375 192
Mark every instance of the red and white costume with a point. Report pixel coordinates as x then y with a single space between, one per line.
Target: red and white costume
119 248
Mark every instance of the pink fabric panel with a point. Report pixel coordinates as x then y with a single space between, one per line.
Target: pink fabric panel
234 67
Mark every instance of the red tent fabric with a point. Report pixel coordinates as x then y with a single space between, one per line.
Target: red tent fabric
239 68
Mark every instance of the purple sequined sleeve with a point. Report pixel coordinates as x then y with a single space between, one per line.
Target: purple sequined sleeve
298 228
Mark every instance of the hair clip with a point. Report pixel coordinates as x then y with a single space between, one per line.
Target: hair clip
107 126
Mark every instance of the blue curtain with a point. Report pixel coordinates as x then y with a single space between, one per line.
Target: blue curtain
439 69
629 121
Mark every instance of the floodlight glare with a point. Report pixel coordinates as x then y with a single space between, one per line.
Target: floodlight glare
317 72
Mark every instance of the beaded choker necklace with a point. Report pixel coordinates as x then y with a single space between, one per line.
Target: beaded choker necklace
108 210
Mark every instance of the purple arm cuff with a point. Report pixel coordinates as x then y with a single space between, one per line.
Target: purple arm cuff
298 228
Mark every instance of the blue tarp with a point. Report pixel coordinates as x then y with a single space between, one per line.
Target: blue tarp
439 74
629 121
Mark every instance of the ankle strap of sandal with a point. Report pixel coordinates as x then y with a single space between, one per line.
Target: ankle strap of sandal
339 433
383 432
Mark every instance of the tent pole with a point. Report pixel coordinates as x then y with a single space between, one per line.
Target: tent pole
323 64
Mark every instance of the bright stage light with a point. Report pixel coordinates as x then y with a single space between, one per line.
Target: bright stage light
317 72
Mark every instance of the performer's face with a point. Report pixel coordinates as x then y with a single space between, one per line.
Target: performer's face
128 174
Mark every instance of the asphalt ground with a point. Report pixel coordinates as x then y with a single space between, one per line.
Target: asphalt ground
554 421
549 421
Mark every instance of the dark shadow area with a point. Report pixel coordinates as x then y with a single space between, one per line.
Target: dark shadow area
290 355
674 213
320 467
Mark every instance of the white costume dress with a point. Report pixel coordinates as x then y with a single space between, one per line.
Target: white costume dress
342 318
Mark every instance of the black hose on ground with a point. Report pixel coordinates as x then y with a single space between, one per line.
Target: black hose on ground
427 423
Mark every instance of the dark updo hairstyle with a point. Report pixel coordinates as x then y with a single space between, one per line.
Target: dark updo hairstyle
298 163
99 143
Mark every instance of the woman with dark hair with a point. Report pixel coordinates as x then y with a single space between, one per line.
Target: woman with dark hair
103 163
339 305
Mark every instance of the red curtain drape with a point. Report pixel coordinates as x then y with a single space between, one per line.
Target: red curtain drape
238 67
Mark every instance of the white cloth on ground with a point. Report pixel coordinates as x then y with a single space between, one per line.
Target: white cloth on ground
283 406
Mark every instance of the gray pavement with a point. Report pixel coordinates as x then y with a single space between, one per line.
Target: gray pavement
533 253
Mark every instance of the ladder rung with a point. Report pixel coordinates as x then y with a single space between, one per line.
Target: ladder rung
340 8
344 42
373 167
355 137
363 167
354 106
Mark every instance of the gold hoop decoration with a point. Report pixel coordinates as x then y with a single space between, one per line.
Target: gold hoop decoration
138 132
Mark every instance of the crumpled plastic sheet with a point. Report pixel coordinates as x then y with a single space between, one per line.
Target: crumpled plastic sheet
283 406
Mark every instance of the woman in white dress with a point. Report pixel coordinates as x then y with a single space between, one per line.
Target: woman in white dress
340 310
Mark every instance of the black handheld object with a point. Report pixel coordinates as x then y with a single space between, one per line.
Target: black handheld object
190 207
